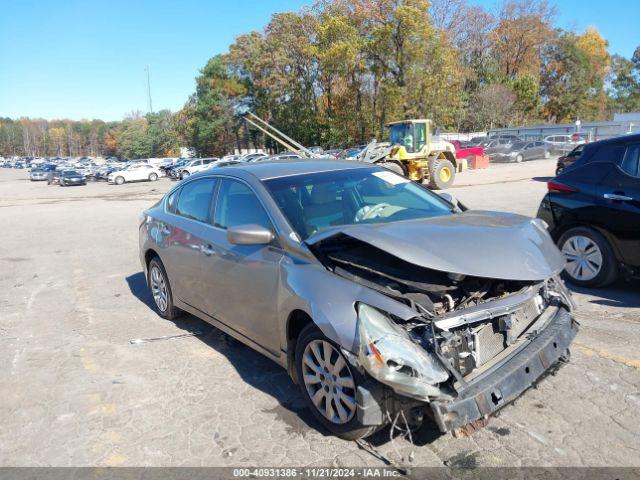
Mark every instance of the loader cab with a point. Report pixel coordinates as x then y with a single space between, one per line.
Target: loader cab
412 135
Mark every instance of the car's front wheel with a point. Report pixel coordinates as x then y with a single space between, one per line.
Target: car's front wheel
161 290
329 384
119 180
153 177
590 259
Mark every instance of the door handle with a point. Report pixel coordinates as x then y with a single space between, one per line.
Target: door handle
207 250
617 197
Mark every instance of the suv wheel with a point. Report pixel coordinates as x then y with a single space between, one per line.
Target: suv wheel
590 259
161 290
328 384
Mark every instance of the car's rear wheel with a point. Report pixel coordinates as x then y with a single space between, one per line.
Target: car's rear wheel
119 180
590 258
153 177
161 290
328 384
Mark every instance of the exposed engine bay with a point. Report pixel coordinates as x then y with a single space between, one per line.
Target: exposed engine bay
466 321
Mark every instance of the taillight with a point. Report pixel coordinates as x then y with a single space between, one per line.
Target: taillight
559 187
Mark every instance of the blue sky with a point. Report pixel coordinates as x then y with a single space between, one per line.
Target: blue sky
85 58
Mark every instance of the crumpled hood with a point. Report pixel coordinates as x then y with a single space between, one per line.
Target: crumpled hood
477 243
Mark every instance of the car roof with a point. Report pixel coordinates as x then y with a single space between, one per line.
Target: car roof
285 168
622 139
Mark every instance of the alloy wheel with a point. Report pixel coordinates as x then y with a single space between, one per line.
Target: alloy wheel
329 381
584 258
159 289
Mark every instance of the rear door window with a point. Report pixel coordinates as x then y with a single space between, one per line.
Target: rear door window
195 200
631 163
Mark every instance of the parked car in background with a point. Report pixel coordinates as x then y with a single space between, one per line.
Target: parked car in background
248 157
493 146
569 158
466 152
333 153
593 212
282 156
38 175
350 153
194 166
371 320
562 144
71 177
521 151
135 173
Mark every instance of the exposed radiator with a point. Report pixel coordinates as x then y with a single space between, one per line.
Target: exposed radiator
489 341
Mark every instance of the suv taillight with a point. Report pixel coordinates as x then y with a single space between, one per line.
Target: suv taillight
559 187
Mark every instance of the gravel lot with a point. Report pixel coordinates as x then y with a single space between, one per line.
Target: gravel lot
75 392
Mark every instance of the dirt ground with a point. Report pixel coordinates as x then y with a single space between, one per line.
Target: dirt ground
75 392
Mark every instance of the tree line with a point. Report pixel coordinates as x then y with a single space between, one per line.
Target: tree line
335 73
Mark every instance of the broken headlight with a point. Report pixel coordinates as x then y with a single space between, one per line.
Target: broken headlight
389 355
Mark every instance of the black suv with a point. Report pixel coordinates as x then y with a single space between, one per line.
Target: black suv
593 212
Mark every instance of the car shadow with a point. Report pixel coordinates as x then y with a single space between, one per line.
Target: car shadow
622 294
254 368
137 284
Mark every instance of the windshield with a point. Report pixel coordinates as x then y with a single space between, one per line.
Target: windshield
70 173
518 145
402 134
317 201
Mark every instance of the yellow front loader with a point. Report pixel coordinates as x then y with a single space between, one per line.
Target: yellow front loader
414 152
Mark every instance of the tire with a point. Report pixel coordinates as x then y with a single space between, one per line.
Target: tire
394 167
161 290
61 184
351 429
547 154
184 174
119 180
441 174
519 159
559 171
153 177
591 261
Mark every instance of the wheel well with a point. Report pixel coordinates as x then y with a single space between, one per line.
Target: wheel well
148 256
448 155
558 232
296 322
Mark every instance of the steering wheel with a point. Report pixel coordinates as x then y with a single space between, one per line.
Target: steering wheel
367 212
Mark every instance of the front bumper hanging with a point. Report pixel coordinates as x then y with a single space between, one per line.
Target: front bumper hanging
504 383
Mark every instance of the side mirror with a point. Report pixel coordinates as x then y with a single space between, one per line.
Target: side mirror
457 205
249 235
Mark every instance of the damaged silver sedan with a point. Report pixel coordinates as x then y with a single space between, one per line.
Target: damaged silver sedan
381 298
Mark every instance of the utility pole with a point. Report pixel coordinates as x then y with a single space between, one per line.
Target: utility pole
150 105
